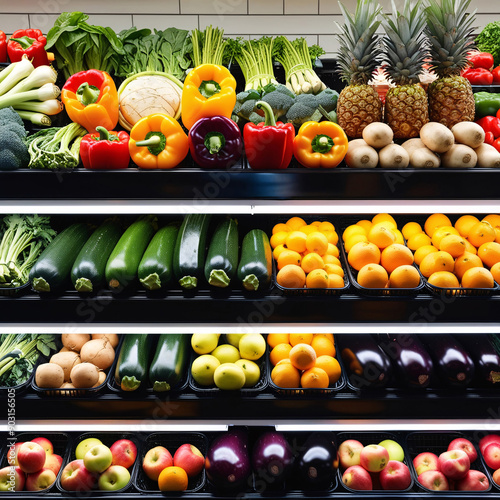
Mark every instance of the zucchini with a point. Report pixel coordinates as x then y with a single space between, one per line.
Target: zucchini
170 361
256 264
190 247
155 268
87 273
133 361
222 256
53 267
122 265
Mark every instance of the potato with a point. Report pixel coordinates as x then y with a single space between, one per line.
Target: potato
393 156
487 156
99 352
413 144
66 360
378 135
354 143
65 349
49 375
74 341
469 133
84 375
67 385
424 158
361 157
101 379
437 137
111 337
459 156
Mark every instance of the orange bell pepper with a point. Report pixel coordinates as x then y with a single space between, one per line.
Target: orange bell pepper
91 99
158 141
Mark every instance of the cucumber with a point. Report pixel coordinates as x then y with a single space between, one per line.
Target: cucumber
256 264
155 268
170 361
53 267
87 273
122 265
190 248
222 256
133 361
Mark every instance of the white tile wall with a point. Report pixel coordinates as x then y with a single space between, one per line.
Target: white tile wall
265 6
301 7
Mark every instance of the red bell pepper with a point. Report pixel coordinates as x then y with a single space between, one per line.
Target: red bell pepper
496 75
491 127
478 76
29 42
496 144
3 47
105 150
481 60
269 144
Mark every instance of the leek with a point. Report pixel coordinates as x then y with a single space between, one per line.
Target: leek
48 107
35 118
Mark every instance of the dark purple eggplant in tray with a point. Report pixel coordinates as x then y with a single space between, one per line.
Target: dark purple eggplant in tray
453 364
272 457
485 357
412 363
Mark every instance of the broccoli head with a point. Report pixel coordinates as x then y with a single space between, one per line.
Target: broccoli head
305 108
279 97
245 103
8 115
328 99
13 151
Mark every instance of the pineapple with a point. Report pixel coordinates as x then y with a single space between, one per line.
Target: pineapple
406 106
449 28
359 55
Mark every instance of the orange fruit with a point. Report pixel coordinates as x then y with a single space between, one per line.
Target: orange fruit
317 242
300 338
411 228
381 235
441 232
302 356
277 251
353 230
489 253
287 257
480 233
277 228
434 221
335 281
308 229
404 277
278 238
385 218
469 247
328 336
312 261
326 226
493 219
466 261
421 252
439 261
295 222
334 269
332 250
365 224
315 223
173 478
362 254
318 278
497 232
352 240
418 240
331 236
399 237
291 276
331 367
331 259
453 244
373 276
322 345
443 279
281 351
495 272
273 339
478 277
395 255
315 378
284 374
296 240
464 224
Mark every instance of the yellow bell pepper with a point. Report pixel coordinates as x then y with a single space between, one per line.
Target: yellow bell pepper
320 144
158 141
209 90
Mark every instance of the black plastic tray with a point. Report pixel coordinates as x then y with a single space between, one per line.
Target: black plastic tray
20 388
15 291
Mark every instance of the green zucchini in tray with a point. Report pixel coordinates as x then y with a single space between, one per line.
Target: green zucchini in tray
132 366
256 264
222 257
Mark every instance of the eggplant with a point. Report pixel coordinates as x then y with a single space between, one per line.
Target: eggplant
412 363
228 462
367 365
485 357
272 457
317 462
454 366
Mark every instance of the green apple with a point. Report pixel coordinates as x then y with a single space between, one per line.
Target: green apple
251 370
84 446
226 353
395 450
229 377
114 478
203 369
98 458
204 343
252 346
234 338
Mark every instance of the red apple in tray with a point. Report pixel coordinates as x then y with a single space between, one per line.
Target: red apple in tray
9 479
357 478
374 458
395 476
76 477
465 445
474 480
53 462
349 453
124 453
45 444
454 464
425 461
12 454
31 457
40 480
155 460
189 458
486 440
434 480
491 455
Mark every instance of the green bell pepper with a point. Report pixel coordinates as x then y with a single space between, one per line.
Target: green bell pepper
487 104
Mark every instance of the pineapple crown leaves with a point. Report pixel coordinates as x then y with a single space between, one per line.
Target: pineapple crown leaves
360 51
449 29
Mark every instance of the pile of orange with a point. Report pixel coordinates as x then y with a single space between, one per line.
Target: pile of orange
307 254
376 249
465 254
304 360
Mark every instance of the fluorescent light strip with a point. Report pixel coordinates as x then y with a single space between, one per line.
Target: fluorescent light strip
126 425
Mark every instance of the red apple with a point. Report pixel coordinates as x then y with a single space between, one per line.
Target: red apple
189 458
491 455
53 462
486 440
40 480
425 461
395 476
45 444
155 460
12 454
124 453
75 477
454 464
349 453
433 480
496 477
473 481
12 479
374 457
465 445
31 457
357 478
